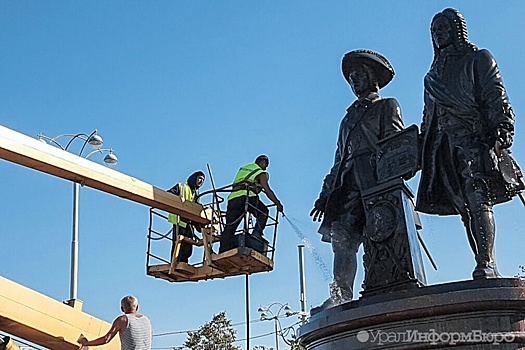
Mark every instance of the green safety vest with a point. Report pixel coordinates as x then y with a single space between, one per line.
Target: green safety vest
246 178
185 194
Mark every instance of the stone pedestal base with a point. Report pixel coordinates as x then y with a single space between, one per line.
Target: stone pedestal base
464 315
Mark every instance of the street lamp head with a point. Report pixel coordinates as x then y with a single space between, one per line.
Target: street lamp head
288 311
111 159
95 141
261 309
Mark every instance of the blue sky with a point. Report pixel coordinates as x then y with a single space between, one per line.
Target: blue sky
173 85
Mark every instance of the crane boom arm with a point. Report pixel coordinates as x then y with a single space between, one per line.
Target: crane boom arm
44 321
27 151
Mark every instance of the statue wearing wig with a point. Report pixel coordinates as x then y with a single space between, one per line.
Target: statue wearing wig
466 133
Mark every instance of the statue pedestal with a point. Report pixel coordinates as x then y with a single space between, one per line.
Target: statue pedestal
392 256
470 315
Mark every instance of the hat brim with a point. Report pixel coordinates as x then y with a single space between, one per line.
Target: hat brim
382 68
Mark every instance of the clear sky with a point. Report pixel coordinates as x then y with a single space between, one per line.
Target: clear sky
173 85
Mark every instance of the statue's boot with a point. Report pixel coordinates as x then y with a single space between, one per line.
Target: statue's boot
498 275
482 226
338 295
341 289
345 269
466 218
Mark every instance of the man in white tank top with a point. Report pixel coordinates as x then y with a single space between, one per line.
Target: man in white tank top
133 328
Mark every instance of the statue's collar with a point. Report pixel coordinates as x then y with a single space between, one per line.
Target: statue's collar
449 51
368 99
364 102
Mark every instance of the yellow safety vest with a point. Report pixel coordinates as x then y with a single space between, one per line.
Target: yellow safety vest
185 194
244 179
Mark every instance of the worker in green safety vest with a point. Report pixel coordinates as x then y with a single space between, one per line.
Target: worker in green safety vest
250 180
189 192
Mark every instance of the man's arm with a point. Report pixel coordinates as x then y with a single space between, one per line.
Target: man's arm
262 179
175 190
494 101
391 119
119 324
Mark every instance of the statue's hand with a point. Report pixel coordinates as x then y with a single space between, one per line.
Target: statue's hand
504 137
317 214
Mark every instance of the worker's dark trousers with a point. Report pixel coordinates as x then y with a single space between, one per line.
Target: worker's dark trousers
234 215
185 248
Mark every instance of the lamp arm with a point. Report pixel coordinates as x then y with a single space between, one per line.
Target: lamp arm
85 141
52 140
285 332
83 137
101 150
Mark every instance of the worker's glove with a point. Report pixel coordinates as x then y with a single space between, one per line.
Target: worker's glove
504 135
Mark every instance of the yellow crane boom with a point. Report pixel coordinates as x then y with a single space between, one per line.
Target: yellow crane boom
44 321
27 151
35 317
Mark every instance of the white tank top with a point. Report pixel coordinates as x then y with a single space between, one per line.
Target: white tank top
137 335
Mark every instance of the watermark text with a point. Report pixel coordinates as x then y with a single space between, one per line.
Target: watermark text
434 337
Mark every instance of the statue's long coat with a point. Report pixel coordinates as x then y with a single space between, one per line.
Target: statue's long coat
465 90
364 124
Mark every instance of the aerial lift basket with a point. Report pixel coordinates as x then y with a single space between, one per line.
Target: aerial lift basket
252 254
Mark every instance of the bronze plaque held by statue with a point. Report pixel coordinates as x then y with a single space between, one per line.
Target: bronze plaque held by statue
397 155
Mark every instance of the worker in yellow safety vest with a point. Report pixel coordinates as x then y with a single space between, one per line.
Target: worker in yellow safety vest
188 192
250 180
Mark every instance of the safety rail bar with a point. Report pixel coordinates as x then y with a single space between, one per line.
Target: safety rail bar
218 215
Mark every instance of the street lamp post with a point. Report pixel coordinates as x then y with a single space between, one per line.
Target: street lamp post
302 284
110 159
284 310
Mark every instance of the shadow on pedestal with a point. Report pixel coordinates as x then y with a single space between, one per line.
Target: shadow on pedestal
476 314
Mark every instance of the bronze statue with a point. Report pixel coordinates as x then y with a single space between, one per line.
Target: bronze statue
466 133
340 206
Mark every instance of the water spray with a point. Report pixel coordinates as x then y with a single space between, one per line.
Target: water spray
317 257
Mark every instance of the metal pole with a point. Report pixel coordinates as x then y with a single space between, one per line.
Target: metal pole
302 283
276 335
74 244
216 203
247 313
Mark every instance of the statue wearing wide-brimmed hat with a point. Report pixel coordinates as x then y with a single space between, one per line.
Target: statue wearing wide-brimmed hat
340 207
382 68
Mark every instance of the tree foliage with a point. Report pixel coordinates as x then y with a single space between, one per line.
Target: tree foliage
218 334
296 346
293 346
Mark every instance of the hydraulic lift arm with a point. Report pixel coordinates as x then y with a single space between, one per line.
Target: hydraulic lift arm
44 321
40 319
27 151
